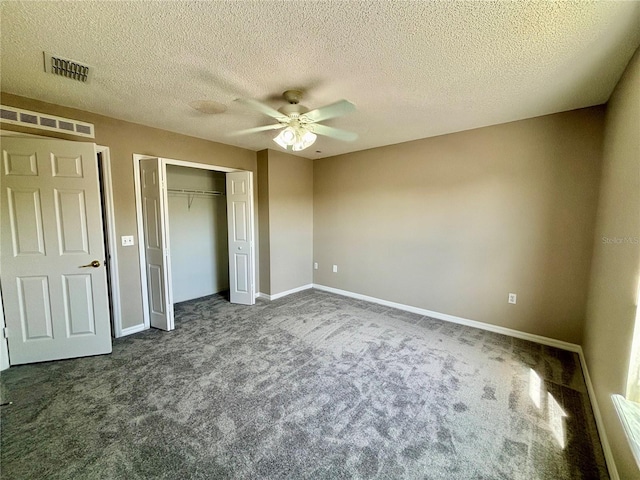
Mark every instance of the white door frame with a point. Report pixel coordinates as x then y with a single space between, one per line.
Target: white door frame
112 240
106 193
139 223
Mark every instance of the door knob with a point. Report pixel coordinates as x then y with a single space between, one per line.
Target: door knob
94 264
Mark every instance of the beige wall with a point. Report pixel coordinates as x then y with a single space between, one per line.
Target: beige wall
289 215
614 280
124 139
263 221
454 223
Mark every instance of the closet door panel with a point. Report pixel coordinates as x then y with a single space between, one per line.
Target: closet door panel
156 244
241 248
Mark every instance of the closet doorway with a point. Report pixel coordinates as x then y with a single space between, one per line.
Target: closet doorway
195 234
197 216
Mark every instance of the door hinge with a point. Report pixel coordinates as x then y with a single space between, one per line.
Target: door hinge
5 333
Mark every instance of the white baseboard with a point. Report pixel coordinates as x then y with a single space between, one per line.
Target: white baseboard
606 448
131 330
284 294
552 342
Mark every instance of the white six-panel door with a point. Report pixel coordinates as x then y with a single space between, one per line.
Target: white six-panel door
240 225
156 243
54 284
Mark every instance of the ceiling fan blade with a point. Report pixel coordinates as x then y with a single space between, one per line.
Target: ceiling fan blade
264 128
262 108
333 132
333 110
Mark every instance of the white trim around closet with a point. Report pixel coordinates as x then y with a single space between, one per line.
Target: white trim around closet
139 224
143 272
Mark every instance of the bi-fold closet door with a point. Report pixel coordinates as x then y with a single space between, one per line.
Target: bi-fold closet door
155 219
156 242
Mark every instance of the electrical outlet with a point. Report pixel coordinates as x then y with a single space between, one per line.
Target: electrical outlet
315 265
335 269
127 240
512 298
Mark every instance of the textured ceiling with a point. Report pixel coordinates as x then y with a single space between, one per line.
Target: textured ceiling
413 69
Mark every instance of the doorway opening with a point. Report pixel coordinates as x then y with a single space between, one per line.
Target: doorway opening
197 217
195 234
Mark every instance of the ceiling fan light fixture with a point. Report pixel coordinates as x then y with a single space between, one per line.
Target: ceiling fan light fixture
286 138
306 140
295 138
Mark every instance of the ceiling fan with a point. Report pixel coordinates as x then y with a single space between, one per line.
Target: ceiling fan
300 125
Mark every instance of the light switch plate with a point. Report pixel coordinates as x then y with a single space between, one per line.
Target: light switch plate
127 240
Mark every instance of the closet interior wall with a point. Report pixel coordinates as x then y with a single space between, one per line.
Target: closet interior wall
197 232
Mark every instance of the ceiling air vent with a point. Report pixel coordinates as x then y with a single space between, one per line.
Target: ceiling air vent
67 68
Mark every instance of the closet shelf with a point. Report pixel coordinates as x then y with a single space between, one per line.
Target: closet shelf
186 191
191 194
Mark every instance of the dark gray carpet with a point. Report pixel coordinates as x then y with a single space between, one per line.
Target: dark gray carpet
310 386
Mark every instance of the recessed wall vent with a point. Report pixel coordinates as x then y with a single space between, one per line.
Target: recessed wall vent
42 121
67 68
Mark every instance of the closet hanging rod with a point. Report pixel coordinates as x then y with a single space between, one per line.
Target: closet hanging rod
186 191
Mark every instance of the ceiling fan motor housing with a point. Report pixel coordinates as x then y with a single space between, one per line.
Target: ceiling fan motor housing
292 96
293 110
